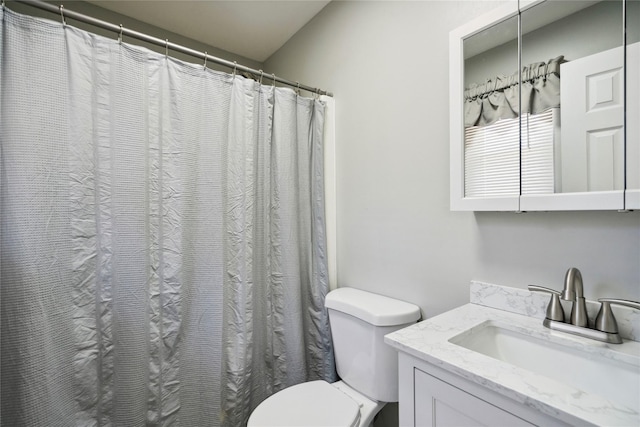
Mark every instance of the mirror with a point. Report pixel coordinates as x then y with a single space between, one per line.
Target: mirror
491 110
558 141
632 191
585 149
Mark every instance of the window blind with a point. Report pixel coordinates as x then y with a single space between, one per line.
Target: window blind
492 156
540 152
491 159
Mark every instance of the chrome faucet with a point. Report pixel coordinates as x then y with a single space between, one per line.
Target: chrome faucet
573 291
605 326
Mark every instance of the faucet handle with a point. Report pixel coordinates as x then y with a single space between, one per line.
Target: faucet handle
554 309
606 321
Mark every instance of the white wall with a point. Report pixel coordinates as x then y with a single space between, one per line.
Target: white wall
387 63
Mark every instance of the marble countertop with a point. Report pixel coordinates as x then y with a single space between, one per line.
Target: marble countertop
429 341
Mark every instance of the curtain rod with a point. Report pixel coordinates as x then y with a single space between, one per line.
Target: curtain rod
119 29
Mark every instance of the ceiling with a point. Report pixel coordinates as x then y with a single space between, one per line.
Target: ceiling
254 29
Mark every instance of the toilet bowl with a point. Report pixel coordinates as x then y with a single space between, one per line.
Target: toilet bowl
368 368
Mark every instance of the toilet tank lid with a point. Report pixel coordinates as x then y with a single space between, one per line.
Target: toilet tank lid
377 310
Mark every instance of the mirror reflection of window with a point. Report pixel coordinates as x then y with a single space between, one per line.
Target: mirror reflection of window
491 109
496 152
586 153
572 118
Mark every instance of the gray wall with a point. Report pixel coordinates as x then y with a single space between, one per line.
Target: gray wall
116 18
387 63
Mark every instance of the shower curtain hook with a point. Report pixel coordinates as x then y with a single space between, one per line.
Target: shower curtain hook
261 73
298 88
235 66
166 48
120 35
64 21
273 75
205 59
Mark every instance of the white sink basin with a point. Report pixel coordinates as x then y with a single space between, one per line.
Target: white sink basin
613 374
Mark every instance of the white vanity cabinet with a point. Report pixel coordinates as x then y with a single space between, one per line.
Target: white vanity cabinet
492 362
431 396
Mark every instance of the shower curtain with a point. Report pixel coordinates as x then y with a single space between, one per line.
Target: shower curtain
163 255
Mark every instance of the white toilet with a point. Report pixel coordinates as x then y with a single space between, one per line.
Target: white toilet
368 368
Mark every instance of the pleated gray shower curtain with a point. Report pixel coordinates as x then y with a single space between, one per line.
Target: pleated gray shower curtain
163 255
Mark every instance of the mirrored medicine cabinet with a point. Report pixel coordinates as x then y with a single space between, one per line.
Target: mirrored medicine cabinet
545 107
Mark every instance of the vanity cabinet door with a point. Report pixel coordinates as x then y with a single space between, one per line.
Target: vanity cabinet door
432 396
438 403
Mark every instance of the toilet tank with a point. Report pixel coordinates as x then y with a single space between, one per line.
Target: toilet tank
359 321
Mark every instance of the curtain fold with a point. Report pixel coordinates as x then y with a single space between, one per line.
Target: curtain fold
163 240
497 99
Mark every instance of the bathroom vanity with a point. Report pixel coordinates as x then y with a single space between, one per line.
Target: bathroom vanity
492 362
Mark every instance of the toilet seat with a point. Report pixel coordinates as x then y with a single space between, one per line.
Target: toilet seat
313 404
